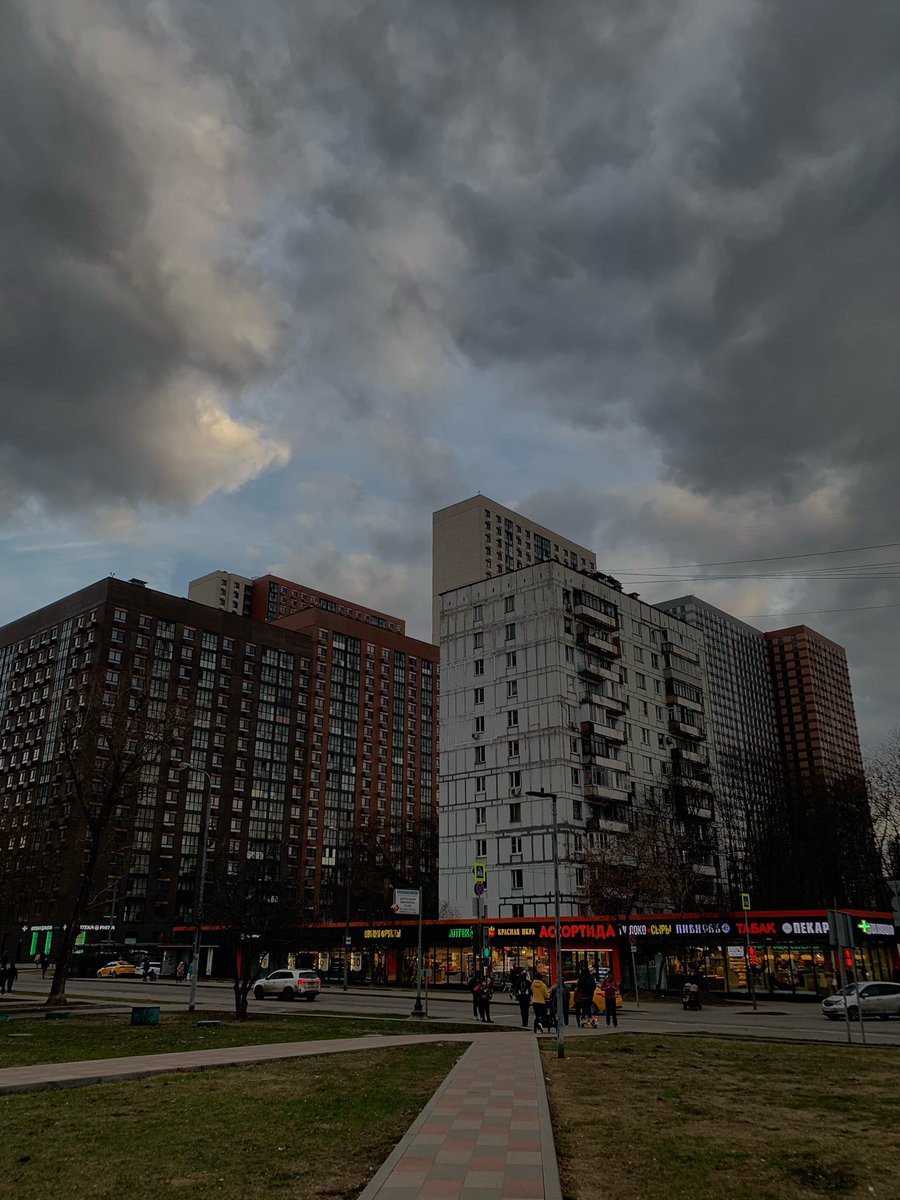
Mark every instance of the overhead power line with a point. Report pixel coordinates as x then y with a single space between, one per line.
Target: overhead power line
733 562
814 612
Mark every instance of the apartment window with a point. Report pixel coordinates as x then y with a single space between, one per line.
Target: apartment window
576 810
518 910
481 816
479 756
515 845
640 680
479 695
479 666
509 604
480 785
645 736
515 813
510 660
512 689
638 654
479 640
513 749
576 777
567 624
479 725
478 612
481 847
517 876
511 632
570 654
512 717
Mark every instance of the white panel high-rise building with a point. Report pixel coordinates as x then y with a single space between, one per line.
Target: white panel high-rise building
553 678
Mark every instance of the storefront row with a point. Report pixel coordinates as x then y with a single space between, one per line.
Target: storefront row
789 953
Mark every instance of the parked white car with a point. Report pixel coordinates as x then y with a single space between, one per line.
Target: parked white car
288 985
873 999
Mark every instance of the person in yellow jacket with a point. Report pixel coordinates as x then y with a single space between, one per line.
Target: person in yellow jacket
540 998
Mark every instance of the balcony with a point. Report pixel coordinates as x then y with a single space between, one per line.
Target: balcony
682 702
599 729
584 612
596 673
692 755
610 702
684 729
602 791
594 639
677 651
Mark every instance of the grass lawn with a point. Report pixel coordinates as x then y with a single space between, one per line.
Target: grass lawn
320 1127
83 1037
639 1117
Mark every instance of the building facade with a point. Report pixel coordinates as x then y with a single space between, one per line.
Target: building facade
815 716
373 787
372 783
225 590
555 679
741 721
246 686
479 539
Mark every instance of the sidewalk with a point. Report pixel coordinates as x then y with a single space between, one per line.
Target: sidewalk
484 1135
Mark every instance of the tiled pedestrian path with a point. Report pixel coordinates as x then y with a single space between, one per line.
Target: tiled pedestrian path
485 1135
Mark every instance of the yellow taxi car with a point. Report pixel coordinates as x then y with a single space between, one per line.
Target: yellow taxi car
114 969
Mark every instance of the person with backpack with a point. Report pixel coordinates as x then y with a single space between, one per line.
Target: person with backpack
523 996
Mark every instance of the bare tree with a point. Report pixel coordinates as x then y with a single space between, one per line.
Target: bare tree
883 779
105 746
259 913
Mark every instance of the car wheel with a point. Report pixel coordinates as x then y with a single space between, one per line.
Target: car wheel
310 996
853 1012
99 974
287 994
259 993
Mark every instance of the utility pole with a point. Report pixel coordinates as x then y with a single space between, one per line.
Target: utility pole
560 986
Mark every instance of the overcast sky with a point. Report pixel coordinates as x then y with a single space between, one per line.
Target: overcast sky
281 278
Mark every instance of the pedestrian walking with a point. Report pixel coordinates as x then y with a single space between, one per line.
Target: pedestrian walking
474 984
45 963
2 976
540 997
12 975
523 996
610 1000
485 992
584 1006
180 972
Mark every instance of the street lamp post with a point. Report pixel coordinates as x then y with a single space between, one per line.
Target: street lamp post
201 877
560 989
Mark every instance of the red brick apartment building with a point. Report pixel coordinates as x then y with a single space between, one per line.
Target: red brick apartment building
373 774
313 736
814 711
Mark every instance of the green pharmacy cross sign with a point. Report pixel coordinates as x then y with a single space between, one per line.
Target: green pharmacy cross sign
864 926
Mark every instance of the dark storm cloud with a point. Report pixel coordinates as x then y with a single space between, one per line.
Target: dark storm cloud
109 389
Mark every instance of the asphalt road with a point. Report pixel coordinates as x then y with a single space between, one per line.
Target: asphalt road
774 1021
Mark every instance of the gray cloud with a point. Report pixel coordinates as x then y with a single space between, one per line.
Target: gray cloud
354 223
124 336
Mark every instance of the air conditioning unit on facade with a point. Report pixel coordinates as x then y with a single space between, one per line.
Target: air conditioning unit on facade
515 791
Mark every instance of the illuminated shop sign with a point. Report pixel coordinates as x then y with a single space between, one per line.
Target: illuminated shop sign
382 934
804 927
876 928
588 932
462 933
642 929
513 931
97 928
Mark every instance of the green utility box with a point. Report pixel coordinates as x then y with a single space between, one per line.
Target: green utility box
145 1015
